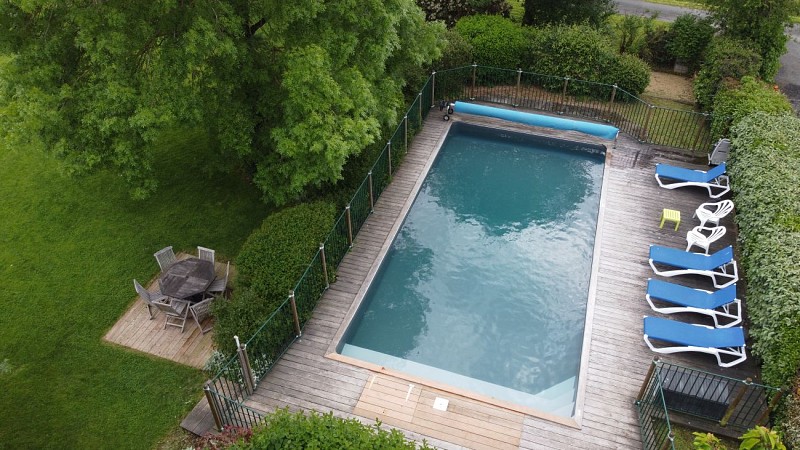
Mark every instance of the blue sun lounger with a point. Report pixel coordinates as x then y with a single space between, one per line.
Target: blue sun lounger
728 342
721 304
720 266
714 179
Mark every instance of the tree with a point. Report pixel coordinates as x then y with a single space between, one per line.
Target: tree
449 11
543 12
288 90
761 22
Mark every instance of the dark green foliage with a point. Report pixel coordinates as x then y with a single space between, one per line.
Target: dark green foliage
270 263
657 53
546 12
584 53
736 100
761 22
285 430
457 52
766 186
495 41
287 90
632 33
450 11
790 419
725 58
689 37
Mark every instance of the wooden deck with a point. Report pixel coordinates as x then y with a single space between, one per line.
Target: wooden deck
305 379
135 330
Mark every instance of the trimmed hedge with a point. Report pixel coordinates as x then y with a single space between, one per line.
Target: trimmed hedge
737 100
584 53
725 58
764 166
495 41
270 263
283 429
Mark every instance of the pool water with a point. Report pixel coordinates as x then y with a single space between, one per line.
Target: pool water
485 286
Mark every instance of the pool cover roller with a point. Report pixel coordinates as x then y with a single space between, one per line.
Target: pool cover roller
539 120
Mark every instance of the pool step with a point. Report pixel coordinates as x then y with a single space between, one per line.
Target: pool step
560 398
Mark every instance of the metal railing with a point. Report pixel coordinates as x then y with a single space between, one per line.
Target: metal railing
229 389
644 121
728 402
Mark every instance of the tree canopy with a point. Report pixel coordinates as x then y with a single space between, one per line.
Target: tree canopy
761 22
288 90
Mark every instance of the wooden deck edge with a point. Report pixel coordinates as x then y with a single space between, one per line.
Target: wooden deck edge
199 421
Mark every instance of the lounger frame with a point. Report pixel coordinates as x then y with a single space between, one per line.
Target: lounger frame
731 311
736 352
716 187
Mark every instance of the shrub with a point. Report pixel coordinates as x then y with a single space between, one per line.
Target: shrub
766 185
632 32
688 39
725 58
790 423
584 53
270 263
657 54
450 11
495 41
283 429
739 99
457 52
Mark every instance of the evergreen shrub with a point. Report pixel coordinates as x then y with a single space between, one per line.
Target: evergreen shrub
765 180
725 58
737 100
495 41
688 38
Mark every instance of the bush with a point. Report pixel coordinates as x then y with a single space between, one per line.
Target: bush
450 11
739 99
584 53
457 52
688 39
283 429
766 185
657 53
270 263
790 423
725 58
495 41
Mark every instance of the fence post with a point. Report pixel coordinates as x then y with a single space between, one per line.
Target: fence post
517 94
419 98
564 95
405 133
670 442
763 417
646 129
325 264
247 371
371 197
611 102
738 398
433 89
647 378
212 403
472 91
349 226
389 146
297 330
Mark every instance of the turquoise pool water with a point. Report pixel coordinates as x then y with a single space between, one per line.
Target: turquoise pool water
485 285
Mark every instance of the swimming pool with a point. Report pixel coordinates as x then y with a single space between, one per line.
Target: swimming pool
485 285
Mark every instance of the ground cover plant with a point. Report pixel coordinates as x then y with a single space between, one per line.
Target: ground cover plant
70 248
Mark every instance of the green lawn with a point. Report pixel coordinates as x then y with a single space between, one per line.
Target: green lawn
69 249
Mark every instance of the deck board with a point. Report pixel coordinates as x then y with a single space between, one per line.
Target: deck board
617 356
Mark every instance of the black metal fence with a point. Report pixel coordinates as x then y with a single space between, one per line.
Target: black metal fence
728 402
239 377
646 122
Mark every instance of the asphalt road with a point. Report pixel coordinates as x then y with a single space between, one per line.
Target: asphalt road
788 77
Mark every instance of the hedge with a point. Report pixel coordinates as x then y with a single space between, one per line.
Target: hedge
283 429
765 178
737 100
270 263
495 41
725 58
688 39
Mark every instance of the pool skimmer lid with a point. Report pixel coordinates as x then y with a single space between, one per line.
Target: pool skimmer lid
440 404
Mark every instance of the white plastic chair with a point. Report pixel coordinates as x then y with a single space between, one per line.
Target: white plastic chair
703 237
205 254
713 212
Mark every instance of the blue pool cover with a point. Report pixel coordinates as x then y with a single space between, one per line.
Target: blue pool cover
539 120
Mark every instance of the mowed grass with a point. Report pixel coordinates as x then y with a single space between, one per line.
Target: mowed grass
69 250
